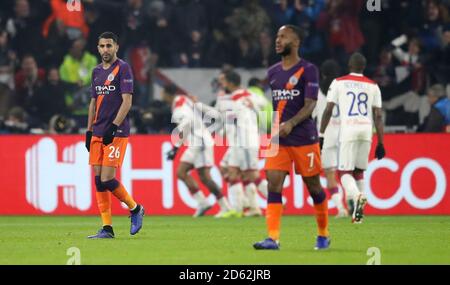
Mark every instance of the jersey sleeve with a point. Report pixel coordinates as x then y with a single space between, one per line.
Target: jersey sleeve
377 97
126 80
93 93
311 82
332 94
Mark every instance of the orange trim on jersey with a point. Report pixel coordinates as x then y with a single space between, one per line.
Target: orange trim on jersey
356 78
114 73
280 109
97 107
298 74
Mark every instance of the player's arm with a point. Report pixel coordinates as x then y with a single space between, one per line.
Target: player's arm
91 116
303 114
378 122
326 116
124 109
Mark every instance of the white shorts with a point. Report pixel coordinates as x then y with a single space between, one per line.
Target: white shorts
243 158
199 156
354 154
330 157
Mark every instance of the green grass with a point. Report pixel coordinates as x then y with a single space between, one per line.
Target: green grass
184 240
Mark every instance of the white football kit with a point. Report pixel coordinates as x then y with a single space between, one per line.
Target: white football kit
355 95
331 136
200 144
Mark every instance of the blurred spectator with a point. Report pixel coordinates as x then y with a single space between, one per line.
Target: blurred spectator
56 44
15 123
7 61
247 55
439 118
439 65
24 30
49 99
73 18
435 19
267 55
411 62
78 64
190 24
247 22
340 21
28 80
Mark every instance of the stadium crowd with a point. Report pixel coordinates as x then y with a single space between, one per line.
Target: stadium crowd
47 52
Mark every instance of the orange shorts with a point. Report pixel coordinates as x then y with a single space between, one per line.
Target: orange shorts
306 159
107 155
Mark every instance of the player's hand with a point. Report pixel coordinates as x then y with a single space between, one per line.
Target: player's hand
285 129
172 153
109 134
380 152
88 140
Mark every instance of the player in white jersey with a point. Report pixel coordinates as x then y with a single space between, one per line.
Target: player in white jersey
359 101
329 142
243 153
200 149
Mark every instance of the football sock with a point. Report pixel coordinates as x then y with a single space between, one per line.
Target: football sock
224 205
118 190
104 206
250 192
200 198
321 209
350 187
359 181
237 194
273 215
336 197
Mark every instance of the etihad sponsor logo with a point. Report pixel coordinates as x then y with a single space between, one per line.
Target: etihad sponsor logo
105 89
285 94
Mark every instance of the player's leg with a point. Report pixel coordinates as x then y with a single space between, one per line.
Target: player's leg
277 167
113 158
308 164
249 177
336 196
274 209
329 164
236 190
102 195
183 174
347 159
205 178
361 163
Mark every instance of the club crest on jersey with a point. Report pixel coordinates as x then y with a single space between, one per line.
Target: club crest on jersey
293 80
110 77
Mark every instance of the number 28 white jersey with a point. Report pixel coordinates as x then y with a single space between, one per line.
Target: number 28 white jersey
355 95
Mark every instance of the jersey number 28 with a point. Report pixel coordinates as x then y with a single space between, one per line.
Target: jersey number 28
358 105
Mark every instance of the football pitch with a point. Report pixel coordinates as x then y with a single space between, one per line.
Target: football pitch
188 241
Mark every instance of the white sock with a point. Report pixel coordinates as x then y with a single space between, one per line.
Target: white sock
337 199
350 187
361 185
200 198
250 193
262 187
236 191
224 205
